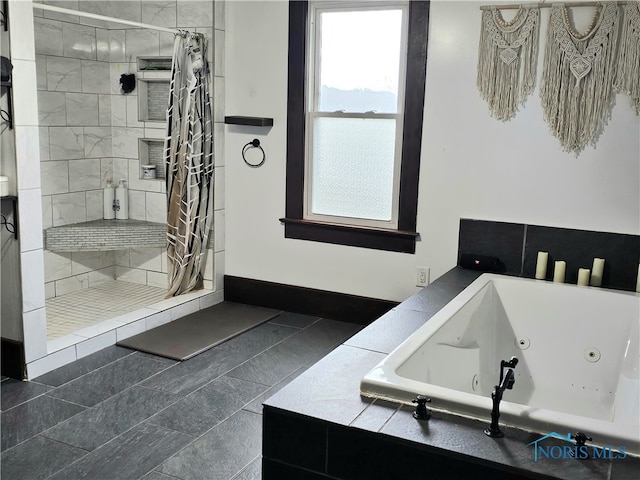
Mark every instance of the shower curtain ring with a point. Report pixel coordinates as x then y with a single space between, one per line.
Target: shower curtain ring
255 143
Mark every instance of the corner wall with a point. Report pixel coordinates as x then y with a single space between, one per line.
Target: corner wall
472 165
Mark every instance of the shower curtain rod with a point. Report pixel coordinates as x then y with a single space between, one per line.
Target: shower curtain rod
95 16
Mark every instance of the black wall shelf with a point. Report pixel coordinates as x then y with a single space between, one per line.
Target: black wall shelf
249 121
14 201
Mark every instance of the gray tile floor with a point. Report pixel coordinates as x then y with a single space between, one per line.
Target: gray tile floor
121 414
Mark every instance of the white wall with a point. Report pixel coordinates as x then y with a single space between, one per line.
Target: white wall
472 165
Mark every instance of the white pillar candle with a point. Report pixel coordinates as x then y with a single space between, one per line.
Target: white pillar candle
541 265
596 272
638 280
583 276
559 270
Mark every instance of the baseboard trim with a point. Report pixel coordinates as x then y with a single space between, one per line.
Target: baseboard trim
12 358
308 301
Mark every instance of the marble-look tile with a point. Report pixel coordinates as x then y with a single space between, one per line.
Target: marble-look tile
156 204
30 219
24 83
64 74
47 212
49 292
27 151
131 455
141 43
72 284
218 189
132 112
52 108
54 177
97 425
15 392
131 329
146 258
218 144
104 110
83 262
95 77
84 174
79 41
95 343
106 171
218 230
22 39
137 205
81 367
82 109
48 36
104 275
41 72
208 406
157 476
184 309
209 273
102 45
125 141
186 377
159 12
116 46
57 265
125 9
120 170
97 142
95 206
253 471
218 270
118 110
218 56
105 382
43 140
167 42
218 99
34 326
53 360
66 143
70 4
195 14
157 279
99 7
28 419
219 13
136 183
220 453
132 275
37 459
69 208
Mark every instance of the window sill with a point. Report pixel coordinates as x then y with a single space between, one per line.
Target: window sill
355 236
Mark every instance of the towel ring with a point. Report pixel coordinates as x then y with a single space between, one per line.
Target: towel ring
255 143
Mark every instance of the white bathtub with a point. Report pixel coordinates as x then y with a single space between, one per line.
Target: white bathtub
578 352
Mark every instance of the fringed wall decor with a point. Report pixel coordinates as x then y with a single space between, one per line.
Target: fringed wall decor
577 89
628 77
507 59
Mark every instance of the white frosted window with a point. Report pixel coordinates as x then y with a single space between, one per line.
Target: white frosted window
359 63
353 167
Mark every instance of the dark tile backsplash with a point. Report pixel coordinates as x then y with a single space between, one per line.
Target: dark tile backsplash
517 246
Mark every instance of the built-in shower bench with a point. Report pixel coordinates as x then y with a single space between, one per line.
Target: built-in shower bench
105 235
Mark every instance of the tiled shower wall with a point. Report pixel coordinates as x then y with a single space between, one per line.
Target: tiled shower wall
89 130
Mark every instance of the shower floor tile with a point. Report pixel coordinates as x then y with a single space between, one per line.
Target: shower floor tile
74 311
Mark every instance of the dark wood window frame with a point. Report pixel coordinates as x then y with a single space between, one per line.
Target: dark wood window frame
402 239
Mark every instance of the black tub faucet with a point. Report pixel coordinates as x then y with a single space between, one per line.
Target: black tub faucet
506 383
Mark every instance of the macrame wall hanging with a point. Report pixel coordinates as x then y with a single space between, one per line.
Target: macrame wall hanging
507 59
577 89
628 77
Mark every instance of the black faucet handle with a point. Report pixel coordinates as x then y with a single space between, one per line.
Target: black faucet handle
421 412
581 438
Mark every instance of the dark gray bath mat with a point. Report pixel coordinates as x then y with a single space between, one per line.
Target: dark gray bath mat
195 333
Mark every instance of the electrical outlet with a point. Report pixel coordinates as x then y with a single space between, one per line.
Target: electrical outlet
422 277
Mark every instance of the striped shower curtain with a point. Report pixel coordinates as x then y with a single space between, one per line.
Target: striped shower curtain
188 155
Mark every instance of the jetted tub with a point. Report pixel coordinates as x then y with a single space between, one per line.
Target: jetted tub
578 357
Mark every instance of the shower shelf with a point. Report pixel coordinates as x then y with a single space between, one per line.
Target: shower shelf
105 235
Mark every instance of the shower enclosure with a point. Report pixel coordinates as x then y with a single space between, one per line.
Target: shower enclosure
103 283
